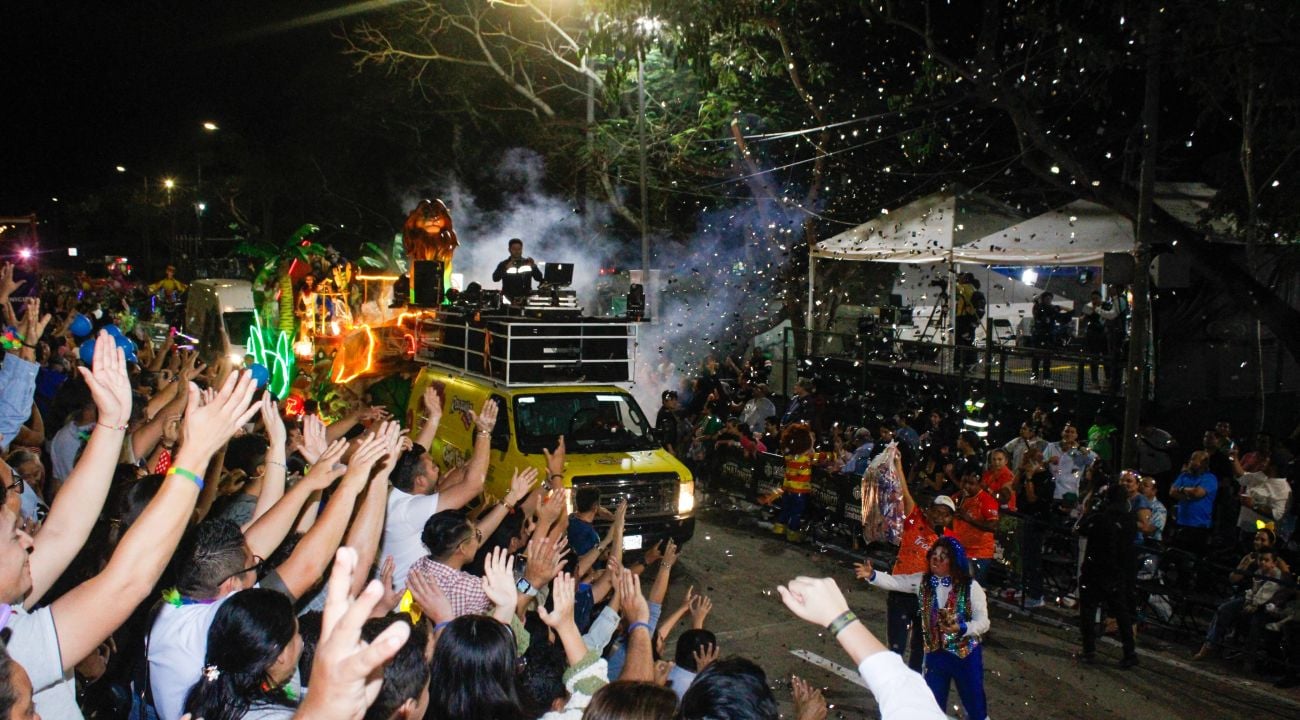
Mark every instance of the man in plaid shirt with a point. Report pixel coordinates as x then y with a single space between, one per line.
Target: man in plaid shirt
452 541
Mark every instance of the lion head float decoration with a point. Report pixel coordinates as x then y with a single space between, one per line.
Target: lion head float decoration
427 234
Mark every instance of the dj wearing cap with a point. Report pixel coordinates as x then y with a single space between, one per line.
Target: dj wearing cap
516 274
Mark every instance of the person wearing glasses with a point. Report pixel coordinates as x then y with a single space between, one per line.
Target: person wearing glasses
219 558
49 641
26 484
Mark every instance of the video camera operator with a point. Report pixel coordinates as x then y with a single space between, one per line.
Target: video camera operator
970 309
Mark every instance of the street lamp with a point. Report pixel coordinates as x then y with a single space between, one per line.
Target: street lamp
210 126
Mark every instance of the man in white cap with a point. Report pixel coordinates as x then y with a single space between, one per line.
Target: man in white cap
921 528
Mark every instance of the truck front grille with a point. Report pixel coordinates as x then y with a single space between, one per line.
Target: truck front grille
648 495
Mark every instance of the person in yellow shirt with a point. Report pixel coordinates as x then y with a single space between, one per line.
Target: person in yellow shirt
169 285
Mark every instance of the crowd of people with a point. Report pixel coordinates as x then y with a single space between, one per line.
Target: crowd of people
177 545
1138 541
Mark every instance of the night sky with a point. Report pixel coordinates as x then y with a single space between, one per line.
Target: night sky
92 85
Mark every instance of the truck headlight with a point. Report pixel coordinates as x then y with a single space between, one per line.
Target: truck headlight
686 497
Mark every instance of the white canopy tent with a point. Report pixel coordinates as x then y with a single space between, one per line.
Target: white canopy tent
970 229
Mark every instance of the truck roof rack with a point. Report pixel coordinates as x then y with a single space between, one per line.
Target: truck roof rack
516 350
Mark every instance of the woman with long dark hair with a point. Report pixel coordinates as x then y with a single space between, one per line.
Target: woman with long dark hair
473 674
954 615
253 648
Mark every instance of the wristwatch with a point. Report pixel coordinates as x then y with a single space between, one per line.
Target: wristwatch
526 588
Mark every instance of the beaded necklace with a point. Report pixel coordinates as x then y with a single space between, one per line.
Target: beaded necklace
958 601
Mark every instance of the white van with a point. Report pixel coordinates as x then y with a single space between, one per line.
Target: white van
219 315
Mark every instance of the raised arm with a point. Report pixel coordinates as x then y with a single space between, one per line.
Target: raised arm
307 563
560 619
640 663
659 590
471 485
277 439
144 438
267 532
79 501
368 525
520 486
432 402
90 612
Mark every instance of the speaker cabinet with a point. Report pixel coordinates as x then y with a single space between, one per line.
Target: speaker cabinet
426 283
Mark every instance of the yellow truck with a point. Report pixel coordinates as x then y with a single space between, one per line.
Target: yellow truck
539 372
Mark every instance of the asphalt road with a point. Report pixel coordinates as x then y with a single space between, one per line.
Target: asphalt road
1029 671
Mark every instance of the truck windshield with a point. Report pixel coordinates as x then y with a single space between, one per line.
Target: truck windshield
237 326
589 422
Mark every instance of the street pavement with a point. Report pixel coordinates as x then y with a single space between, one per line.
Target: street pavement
1029 670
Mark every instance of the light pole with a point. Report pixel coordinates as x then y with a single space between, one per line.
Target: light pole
647 27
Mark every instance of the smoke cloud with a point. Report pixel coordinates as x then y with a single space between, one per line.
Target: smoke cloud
716 289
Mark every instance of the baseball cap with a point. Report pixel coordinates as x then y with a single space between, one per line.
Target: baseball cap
946 501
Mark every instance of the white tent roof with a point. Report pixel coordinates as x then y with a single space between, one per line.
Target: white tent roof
933 227
1080 233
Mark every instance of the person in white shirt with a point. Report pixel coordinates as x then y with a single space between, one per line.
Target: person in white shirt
954 616
1027 440
1068 461
219 559
900 693
48 642
417 493
758 408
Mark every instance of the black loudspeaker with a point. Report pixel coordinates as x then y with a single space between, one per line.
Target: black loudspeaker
1117 269
636 302
426 283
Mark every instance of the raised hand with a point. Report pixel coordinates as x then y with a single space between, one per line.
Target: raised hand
705 656
499 583
555 460
191 367
363 459
9 286
551 507
809 703
391 597
109 384
33 325
544 560
210 426
863 570
817 600
432 404
670 548
346 674
701 606
313 438
562 601
272 420
431 599
635 607
520 485
486 419
327 467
